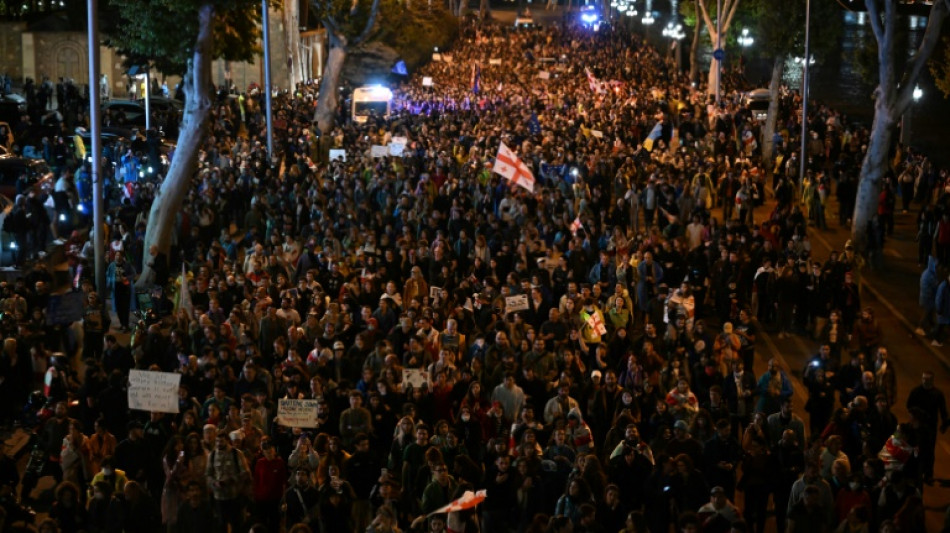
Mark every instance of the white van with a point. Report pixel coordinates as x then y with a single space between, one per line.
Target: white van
371 100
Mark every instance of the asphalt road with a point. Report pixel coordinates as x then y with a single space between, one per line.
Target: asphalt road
892 291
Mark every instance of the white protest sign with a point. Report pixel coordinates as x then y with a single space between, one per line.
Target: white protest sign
427 81
494 61
400 140
337 154
434 292
154 391
396 149
415 377
516 303
297 413
379 151
544 75
437 57
597 133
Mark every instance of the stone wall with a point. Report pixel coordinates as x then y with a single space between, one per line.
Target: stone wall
11 49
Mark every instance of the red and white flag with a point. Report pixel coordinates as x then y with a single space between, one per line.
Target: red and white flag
513 169
596 323
467 501
576 225
596 85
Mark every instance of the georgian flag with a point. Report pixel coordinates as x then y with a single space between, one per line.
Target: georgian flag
596 85
595 322
467 501
576 225
513 169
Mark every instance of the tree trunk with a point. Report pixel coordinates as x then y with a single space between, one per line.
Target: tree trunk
768 134
328 100
873 169
484 9
694 50
168 200
714 72
292 36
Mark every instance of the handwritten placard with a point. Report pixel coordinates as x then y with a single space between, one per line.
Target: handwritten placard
415 377
544 75
337 154
427 81
379 151
515 303
154 391
434 292
396 149
494 61
597 134
297 413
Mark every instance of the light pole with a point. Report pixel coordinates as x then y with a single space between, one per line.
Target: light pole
717 54
908 115
268 111
675 34
95 123
745 40
805 66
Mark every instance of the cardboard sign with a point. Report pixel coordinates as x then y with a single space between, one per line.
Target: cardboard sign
494 61
154 391
396 149
434 292
516 303
597 133
337 154
544 75
297 413
437 57
427 81
64 308
400 140
415 377
379 151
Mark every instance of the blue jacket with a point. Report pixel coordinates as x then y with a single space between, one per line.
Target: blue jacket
928 285
943 303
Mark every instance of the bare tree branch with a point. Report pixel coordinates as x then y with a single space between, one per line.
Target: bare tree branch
706 19
875 16
732 13
938 12
373 11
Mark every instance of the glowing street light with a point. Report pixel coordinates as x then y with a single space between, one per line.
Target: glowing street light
745 40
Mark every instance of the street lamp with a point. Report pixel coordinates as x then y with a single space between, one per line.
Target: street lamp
745 40
675 33
917 94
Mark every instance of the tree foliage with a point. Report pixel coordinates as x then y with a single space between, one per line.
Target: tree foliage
414 29
163 31
940 63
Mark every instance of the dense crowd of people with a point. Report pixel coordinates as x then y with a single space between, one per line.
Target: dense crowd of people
623 398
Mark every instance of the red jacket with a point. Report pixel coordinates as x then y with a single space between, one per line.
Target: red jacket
270 479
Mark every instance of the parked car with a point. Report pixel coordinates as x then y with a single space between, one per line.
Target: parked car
133 112
12 167
757 102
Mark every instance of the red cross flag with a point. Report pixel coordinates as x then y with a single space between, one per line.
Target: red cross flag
513 169
595 322
576 225
467 501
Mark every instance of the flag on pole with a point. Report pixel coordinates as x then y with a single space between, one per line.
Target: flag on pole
655 134
595 85
534 125
476 78
184 300
468 500
576 225
513 169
